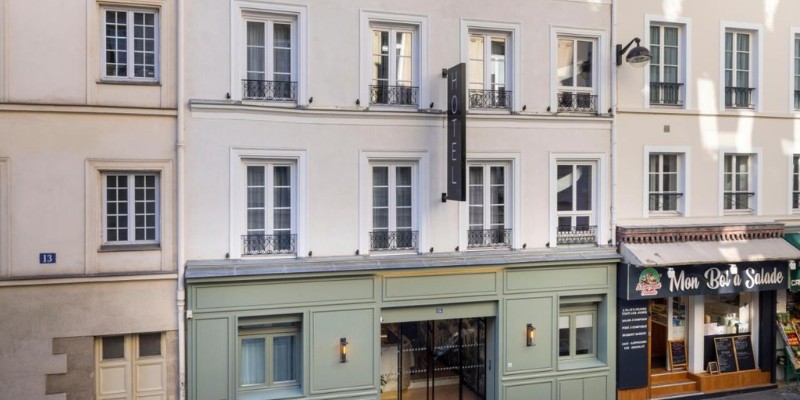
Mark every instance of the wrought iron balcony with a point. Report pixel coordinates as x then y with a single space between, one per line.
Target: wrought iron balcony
393 95
664 201
269 90
392 240
739 97
733 201
488 238
666 93
579 234
479 98
281 243
582 102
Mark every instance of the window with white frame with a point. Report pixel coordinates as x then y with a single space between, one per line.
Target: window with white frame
131 366
796 182
575 73
130 44
739 90
738 183
576 197
393 65
269 353
664 183
270 57
488 199
130 208
393 211
666 87
488 70
271 208
796 73
577 331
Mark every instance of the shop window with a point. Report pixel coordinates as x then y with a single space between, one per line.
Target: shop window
577 331
269 354
727 313
131 366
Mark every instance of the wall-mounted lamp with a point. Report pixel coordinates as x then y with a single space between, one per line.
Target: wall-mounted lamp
671 273
792 265
638 56
530 335
343 350
734 269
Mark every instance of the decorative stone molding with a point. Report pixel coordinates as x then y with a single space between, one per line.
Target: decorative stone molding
698 233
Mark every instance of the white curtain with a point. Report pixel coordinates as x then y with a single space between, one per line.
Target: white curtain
283 358
253 361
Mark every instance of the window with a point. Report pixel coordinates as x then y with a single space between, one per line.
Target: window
796 73
738 59
271 60
393 65
796 182
488 71
393 211
576 203
487 199
130 50
664 194
665 66
131 366
738 185
270 209
577 331
575 74
269 353
131 208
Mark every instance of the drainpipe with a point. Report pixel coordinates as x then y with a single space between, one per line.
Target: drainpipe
613 156
179 220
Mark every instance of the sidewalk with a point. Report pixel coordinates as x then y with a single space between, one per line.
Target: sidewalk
782 393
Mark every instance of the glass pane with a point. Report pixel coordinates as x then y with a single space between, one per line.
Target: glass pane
564 185
671 183
670 36
670 163
149 344
655 35
255 220
283 61
498 67
742 42
565 72
253 361
563 335
583 196
497 195
403 217
403 176
255 47
113 347
380 176
671 56
475 175
283 362
255 197
380 218
283 219
403 196
380 197
742 164
498 216
584 334
654 158
476 216
476 195
283 35
497 175
653 185
283 197
584 64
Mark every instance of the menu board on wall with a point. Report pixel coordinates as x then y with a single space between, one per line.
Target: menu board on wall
632 344
726 355
744 352
677 353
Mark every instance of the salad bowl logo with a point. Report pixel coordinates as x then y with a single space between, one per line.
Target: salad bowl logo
649 282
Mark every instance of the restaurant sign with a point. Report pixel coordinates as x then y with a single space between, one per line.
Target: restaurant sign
654 282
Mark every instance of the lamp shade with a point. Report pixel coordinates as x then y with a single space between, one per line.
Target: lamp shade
638 56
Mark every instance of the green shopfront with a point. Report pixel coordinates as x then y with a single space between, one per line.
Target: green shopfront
521 325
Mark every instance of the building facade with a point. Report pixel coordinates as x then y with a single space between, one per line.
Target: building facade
87 203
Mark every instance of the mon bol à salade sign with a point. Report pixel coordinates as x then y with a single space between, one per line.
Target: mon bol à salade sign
690 280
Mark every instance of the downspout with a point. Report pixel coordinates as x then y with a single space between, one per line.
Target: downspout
180 230
613 156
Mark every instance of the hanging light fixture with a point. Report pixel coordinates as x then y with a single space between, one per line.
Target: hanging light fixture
638 56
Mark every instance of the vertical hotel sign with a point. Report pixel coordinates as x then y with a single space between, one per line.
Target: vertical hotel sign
456 133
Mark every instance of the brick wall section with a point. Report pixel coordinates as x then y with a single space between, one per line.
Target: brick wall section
78 381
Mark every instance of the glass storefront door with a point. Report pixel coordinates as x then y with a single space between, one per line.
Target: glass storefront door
441 359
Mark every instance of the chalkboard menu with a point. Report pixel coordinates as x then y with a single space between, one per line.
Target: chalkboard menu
632 344
744 352
726 355
677 352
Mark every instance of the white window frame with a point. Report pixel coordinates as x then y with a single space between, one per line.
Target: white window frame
600 183
755 181
684 54
486 201
601 63
756 62
512 33
794 180
684 180
130 44
268 334
239 159
131 211
369 21
572 311
794 35
244 10
269 20
269 194
419 161
392 198
131 364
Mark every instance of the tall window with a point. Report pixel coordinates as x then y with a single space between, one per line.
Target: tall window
270 53
577 331
488 201
393 66
487 71
129 44
131 366
738 90
665 85
393 213
664 181
797 73
269 352
796 182
575 75
130 211
270 209
575 199
738 183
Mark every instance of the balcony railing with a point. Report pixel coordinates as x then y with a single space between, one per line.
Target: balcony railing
479 98
282 243
392 240
583 102
739 97
737 201
393 95
666 93
664 201
488 238
269 90
579 234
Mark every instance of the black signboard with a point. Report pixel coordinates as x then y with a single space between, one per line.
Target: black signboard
744 352
677 353
726 355
632 344
457 133
690 280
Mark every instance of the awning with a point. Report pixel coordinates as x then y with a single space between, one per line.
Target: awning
711 252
